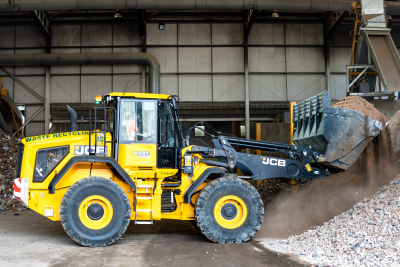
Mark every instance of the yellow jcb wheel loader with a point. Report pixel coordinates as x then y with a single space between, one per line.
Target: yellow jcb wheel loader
135 164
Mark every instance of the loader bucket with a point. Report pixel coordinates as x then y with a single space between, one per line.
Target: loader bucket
339 135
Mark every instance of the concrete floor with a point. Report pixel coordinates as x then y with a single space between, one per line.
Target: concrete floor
28 239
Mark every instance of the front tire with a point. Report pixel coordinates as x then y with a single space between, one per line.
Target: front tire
229 210
95 212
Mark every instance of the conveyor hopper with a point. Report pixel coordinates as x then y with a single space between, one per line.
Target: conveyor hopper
386 58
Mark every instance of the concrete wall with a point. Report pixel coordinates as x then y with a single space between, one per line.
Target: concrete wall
275 132
340 43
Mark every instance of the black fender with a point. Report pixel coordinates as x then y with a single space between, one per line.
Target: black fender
110 162
189 193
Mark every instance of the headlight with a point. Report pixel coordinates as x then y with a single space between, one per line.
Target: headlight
46 160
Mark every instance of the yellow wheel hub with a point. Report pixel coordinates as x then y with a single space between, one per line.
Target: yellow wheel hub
95 212
230 212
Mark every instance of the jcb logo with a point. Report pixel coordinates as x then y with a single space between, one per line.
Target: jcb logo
84 150
275 162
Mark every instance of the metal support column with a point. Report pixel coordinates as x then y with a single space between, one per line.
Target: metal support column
246 86
248 19
144 90
332 20
47 102
142 28
327 68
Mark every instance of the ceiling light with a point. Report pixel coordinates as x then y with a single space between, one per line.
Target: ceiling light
117 15
275 14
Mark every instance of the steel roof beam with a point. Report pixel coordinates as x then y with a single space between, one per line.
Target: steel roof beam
30 5
42 20
249 20
333 19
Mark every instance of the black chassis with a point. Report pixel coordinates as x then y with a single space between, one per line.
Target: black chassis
302 162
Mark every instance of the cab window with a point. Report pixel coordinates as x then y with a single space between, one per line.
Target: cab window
167 126
138 121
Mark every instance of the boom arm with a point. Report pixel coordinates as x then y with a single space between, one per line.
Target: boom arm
302 162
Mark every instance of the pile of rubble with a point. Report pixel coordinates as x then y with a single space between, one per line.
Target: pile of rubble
361 105
8 168
366 235
394 127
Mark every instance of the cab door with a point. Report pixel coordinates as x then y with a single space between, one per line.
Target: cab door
168 150
137 152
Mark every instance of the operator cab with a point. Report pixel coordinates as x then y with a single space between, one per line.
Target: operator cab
147 133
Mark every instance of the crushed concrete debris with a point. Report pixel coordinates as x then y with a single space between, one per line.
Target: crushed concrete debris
366 235
394 126
9 147
361 105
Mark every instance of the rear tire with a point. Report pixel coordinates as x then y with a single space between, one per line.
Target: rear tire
95 212
229 210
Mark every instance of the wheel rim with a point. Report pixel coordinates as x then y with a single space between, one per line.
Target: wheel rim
95 212
230 212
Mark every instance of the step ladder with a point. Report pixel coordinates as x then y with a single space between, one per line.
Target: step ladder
146 195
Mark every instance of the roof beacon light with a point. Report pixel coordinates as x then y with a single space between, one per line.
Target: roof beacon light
99 99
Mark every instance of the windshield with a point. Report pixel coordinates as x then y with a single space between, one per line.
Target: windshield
138 121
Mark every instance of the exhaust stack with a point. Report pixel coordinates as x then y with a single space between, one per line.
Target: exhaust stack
74 125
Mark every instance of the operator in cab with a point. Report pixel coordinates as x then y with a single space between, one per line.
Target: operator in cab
133 129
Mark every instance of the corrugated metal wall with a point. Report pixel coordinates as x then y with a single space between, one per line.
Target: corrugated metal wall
340 43
204 62
199 62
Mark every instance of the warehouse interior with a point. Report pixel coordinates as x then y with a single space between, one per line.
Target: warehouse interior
299 90
291 55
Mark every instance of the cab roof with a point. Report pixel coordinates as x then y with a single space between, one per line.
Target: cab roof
140 95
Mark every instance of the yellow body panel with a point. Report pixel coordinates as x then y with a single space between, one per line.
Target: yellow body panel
40 199
136 163
77 171
70 139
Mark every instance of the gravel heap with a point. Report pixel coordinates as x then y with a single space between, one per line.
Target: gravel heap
361 105
9 147
366 235
394 127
